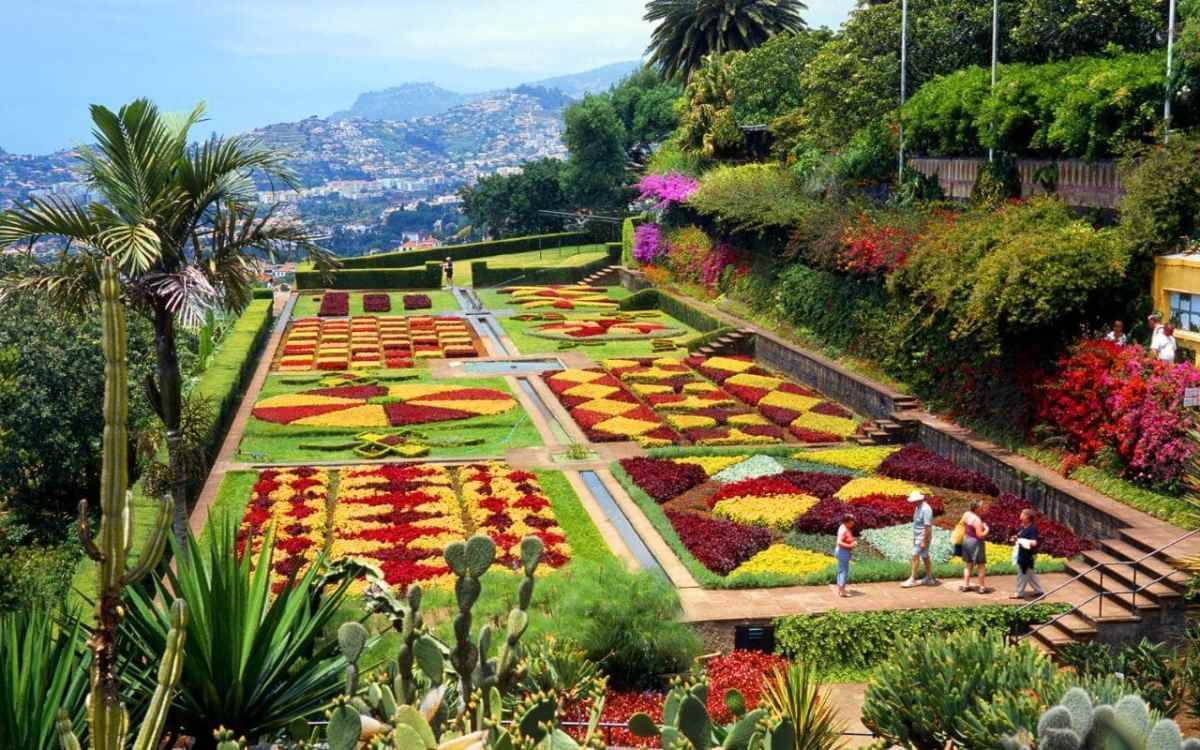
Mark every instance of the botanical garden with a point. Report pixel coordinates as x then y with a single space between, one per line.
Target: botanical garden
605 501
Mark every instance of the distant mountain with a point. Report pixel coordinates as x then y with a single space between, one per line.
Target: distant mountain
404 102
577 85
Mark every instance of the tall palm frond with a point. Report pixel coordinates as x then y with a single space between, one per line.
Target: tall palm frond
689 30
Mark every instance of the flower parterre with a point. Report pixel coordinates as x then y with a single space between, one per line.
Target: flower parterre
509 505
1003 517
766 501
334 304
605 410
294 503
916 463
663 479
377 303
566 297
861 458
605 329
417 302
720 546
785 560
367 342
361 406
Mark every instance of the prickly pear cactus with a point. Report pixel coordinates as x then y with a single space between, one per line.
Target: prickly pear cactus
1075 723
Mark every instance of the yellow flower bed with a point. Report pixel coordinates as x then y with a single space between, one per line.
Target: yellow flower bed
773 511
826 423
780 558
1002 553
728 364
749 419
750 380
863 458
711 464
793 401
690 421
864 486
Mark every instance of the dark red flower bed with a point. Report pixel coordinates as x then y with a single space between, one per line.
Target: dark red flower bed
826 516
816 483
743 671
334 304
663 480
720 546
898 505
377 303
916 463
757 487
1003 516
417 302
829 408
814 436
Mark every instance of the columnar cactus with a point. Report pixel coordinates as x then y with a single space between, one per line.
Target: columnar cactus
1075 724
108 719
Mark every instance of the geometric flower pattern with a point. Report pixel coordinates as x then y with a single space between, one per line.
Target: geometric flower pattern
605 329
357 406
367 342
561 297
605 410
292 501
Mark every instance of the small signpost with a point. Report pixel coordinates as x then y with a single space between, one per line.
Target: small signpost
1191 396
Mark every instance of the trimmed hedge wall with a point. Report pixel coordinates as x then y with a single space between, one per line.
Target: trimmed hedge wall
262 292
467 252
429 277
652 299
482 276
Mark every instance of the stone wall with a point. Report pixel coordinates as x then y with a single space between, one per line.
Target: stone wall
1080 183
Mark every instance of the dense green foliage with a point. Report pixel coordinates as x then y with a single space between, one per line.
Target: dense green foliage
429 277
766 80
1161 207
508 205
750 197
687 31
708 126
595 138
645 103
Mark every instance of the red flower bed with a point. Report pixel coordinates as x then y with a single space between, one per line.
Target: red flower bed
377 303
720 546
899 506
814 436
916 463
829 408
663 480
1003 516
740 670
826 516
757 487
618 707
816 483
334 304
417 302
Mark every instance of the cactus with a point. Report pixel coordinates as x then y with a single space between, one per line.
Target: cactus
1076 723
108 719
686 723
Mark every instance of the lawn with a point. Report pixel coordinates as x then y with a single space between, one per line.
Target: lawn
442 419
553 257
494 300
308 303
522 334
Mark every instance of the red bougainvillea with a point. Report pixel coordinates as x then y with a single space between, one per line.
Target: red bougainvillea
916 463
663 479
720 546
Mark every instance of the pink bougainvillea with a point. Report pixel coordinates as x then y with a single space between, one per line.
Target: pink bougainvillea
648 245
667 190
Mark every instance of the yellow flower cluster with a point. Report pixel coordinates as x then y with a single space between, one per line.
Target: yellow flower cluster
564 297
736 437
711 464
772 511
1002 553
508 506
864 486
293 513
862 458
839 426
780 558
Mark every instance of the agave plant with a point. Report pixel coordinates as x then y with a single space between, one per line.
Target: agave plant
43 666
795 694
256 661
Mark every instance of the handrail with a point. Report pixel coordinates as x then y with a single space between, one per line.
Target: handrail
1133 591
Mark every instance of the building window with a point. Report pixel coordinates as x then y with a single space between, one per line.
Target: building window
1185 311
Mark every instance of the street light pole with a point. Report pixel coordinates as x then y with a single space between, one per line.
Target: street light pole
1170 50
903 79
995 47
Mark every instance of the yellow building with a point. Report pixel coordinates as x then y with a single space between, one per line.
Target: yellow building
1176 291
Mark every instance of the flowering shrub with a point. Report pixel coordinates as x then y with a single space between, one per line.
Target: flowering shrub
648 244
662 479
917 463
686 249
870 248
1003 517
720 546
714 263
377 303
863 458
417 302
667 190
1121 397
780 558
334 304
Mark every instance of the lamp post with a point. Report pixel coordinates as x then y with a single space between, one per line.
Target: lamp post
995 48
1170 50
903 79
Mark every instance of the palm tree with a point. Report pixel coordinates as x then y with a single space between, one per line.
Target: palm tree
690 30
182 224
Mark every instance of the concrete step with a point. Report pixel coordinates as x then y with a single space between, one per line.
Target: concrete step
1133 576
1075 626
1113 606
1155 566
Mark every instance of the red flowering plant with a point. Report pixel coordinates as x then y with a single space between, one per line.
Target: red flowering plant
1003 517
334 304
663 479
720 546
819 484
377 303
826 516
916 463
872 248
417 302
1122 398
743 671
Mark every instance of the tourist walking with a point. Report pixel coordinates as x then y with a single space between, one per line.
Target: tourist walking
1117 334
1026 546
845 545
1162 339
922 523
448 270
974 550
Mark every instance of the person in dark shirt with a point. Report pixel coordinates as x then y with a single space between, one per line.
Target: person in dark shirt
448 270
1027 544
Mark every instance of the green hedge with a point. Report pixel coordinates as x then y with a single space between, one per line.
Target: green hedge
429 277
482 276
263 292
652 299
861 640
467 251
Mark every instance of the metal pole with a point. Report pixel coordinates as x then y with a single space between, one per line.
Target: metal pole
1170 51
995 47
903 80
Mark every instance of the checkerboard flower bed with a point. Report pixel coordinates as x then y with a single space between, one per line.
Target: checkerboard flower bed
663 479
605 410
861 458
605 329
367 406
334 304
377 303
293 503
766 501
816 483
916 463
826 516
508 505
1003 517
368 342
417 302
565 297
720 546
784 560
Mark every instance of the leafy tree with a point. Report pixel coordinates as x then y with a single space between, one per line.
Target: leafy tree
708 126
766 80
509 205
690 30
182 224
595 139
1061 29
645 102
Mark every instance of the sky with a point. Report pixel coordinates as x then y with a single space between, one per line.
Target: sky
255 62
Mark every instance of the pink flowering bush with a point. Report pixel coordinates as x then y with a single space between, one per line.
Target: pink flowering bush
648 245
667 190
714 263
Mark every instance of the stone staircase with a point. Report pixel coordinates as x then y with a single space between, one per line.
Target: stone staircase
1122 567
896 429
740 341
607 276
